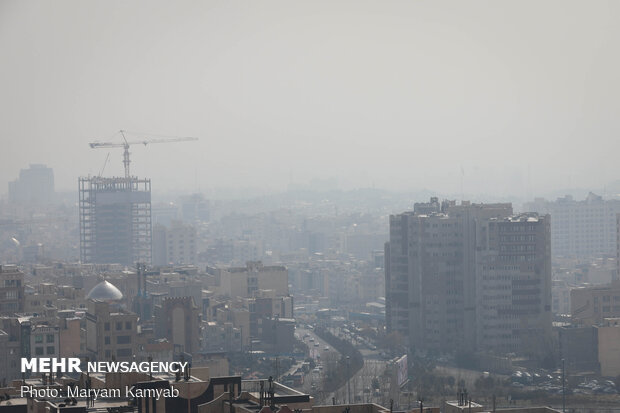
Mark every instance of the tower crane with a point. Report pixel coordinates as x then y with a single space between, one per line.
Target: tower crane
126 144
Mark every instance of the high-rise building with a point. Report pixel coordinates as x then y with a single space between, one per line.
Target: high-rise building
580 228
430 273
174 244
433 274
514 285
34 185
115 220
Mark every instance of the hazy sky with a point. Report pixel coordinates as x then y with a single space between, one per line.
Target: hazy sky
393 94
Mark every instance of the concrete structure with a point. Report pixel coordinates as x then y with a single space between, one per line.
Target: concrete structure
45 341
175 244
513 285
579 348
580 228
223 337
560 296
245 281
72 337
466 406
110 332
463 405
277 334
469 277
591 305
115 220
14 344
241 320
35 185
609 347
430 273
11 290
178 320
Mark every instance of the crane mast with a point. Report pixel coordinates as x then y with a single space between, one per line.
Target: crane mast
126 144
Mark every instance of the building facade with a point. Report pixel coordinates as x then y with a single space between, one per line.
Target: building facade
580 228
115 220
178 320
11 290
442 290
34 185
591 305
513 306
174 244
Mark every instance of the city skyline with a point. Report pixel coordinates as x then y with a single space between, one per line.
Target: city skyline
359 204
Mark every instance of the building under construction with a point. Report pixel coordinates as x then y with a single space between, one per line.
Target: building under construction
115 220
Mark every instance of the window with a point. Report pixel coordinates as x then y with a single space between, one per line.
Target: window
123 339
124 352
38 351
38 338
106 340
50 350
106 326
127 325
119 326
50 338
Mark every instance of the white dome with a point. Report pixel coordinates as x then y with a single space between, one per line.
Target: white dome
105 291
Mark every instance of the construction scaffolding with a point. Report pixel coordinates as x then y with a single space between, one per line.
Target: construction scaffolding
115 220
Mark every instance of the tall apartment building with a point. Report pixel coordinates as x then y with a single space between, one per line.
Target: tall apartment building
34 185
514 285
11 290
115 220
433 271
430 273
174 244
580 228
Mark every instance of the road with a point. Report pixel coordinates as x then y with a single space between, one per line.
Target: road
321 352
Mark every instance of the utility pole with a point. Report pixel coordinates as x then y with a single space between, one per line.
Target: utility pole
563 388
349 379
